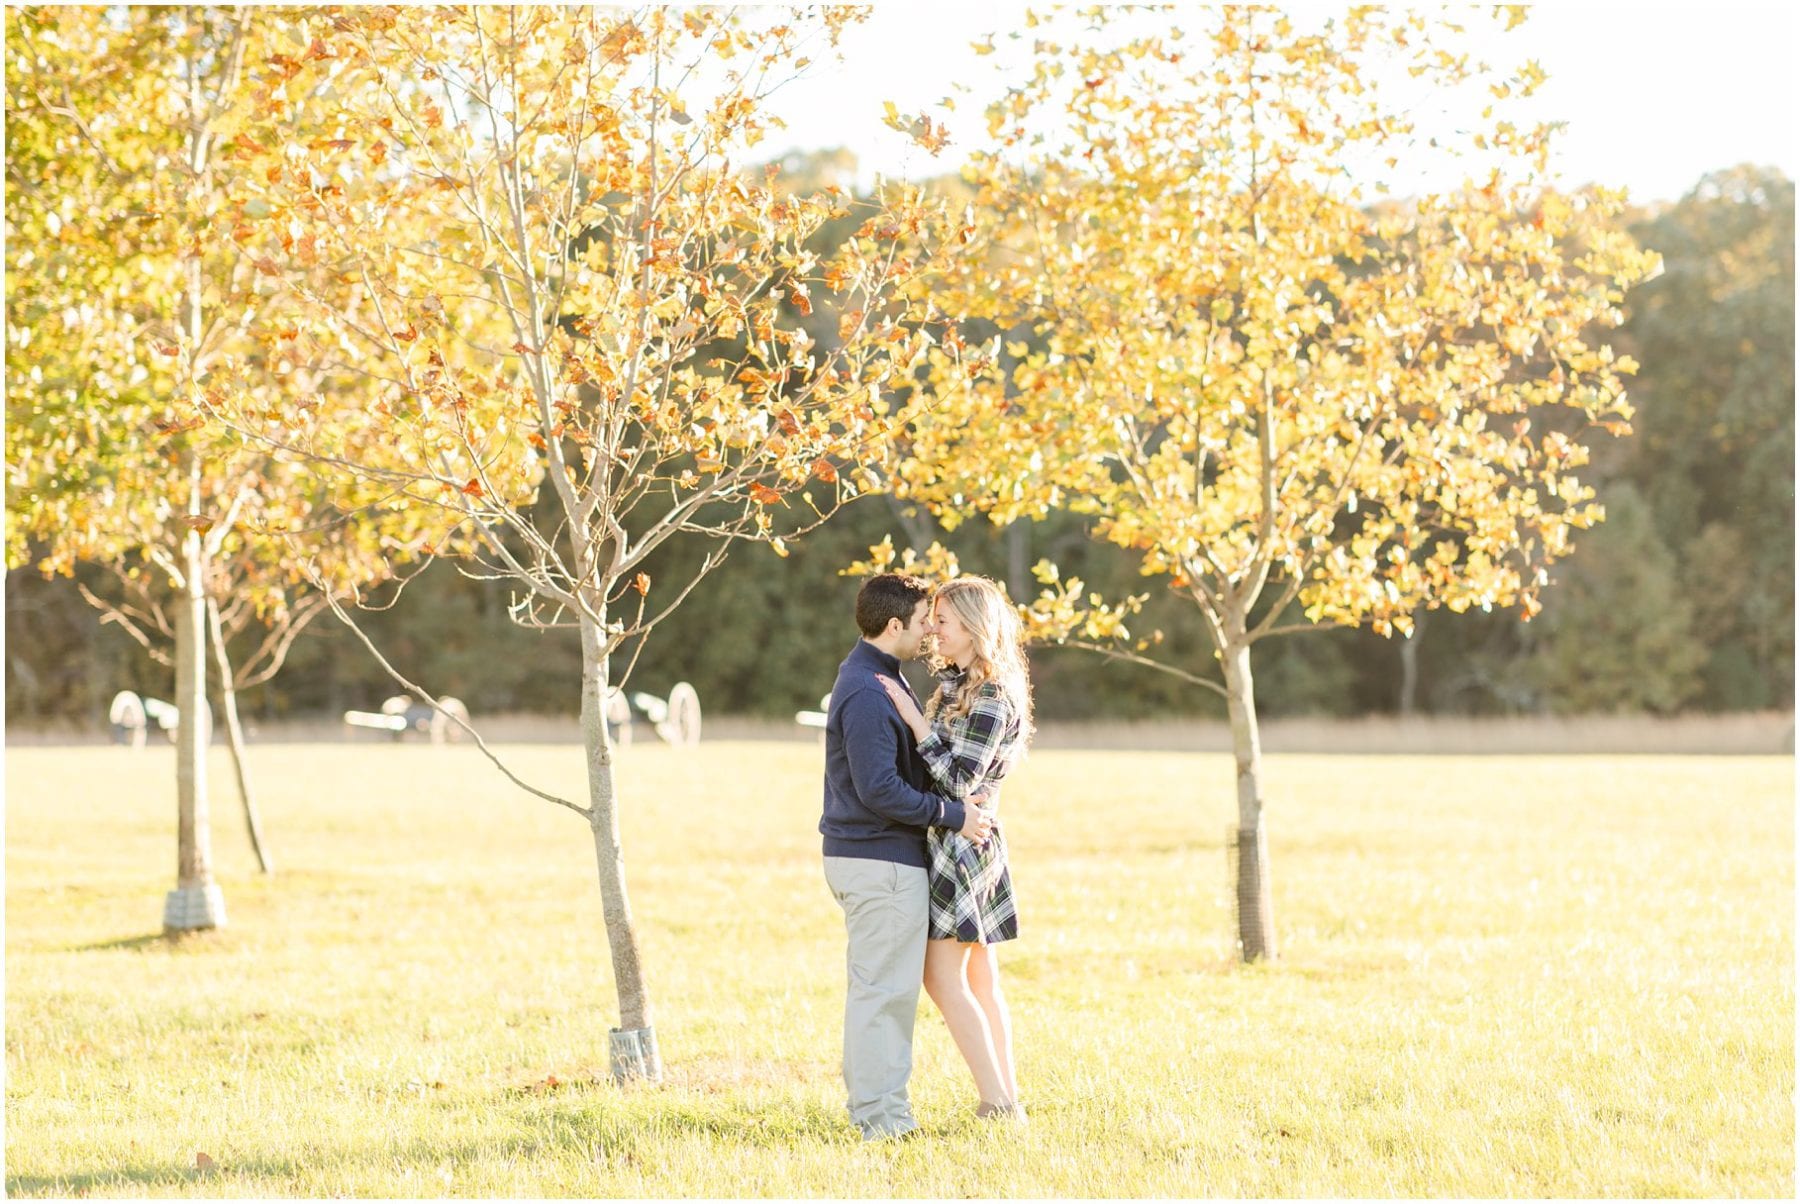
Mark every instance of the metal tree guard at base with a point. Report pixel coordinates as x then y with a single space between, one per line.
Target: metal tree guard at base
634 1055
194 908
1253 908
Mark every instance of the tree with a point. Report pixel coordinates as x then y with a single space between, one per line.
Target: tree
1715 455
1270 385
117 105
575 314
258 595
122 298
1619 632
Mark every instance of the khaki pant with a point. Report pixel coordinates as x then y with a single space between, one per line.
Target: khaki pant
885 906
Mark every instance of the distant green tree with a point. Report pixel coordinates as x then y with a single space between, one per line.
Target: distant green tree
1715 451
1619 634
61 665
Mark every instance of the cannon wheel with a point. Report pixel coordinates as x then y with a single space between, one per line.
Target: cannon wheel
128 718
684 714
443 730
617 713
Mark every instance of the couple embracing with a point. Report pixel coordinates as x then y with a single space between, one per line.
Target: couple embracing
914 853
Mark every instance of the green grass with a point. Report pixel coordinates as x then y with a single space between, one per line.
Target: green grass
1499 977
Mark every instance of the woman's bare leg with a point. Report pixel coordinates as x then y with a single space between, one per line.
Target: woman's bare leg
984 984
948 986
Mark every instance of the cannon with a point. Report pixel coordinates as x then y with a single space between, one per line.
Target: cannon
130 722
814 718
618 717
676 719
403 713
131 717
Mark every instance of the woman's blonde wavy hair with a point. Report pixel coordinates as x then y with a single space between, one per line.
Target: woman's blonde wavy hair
999 637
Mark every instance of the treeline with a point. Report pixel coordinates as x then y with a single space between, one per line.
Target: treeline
1681 601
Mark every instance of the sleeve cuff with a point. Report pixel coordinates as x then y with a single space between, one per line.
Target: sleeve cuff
954 816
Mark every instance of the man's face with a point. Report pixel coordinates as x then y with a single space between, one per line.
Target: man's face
913 636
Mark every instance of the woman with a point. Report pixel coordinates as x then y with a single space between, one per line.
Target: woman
972 734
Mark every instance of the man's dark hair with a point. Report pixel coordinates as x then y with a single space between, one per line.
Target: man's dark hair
889 596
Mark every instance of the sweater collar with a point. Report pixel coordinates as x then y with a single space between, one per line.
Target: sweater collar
887 662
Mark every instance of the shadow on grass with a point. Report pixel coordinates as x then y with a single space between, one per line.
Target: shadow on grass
169 941
606 1131
117 1177
152 940
598 1135
609 1126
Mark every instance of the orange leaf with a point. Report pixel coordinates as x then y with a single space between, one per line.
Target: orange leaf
473 488
641 583
764 495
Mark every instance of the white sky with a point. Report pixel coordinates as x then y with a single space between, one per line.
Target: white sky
1655 96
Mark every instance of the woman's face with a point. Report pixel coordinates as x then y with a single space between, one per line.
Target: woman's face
954 642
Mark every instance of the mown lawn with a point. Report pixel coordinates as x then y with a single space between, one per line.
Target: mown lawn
1499 977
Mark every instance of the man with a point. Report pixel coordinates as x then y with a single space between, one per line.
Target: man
876 811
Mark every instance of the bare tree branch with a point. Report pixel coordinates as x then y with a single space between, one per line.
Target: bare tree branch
109 613
437 706
1113 653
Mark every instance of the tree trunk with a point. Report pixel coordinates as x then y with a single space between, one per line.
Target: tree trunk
234 735
916 523
634 1052
1250 848
102 678
196 902
1409 667
1018 560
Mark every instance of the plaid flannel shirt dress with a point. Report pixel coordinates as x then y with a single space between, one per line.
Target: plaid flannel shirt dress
971 888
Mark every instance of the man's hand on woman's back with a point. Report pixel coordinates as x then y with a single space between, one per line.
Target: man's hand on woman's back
977 823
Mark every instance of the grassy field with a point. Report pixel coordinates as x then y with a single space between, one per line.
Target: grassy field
1499 977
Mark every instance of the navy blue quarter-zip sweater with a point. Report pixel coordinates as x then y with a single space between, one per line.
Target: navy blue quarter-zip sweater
876 806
